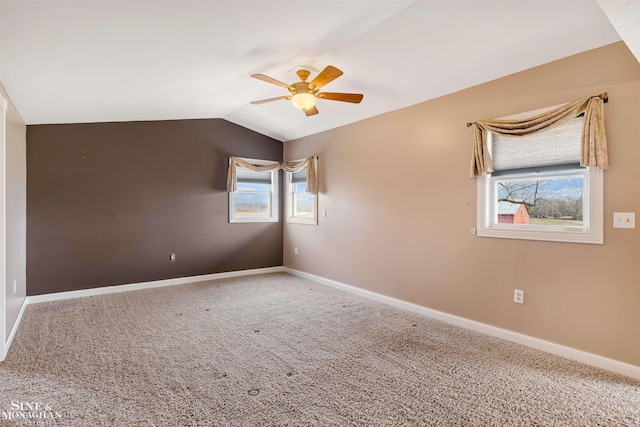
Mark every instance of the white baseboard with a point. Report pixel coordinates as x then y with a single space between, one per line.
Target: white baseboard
549 347
14 329
147 285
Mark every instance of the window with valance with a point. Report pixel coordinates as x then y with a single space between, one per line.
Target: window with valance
540 173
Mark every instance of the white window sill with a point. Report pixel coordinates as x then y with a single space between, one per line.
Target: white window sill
261 219
307 221
569 236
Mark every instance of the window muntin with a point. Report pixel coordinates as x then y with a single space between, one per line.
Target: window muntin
302 206
256 195
538 190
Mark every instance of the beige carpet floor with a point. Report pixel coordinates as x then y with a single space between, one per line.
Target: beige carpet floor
277 350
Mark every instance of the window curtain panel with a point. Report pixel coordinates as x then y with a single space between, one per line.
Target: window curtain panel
593 144
312 177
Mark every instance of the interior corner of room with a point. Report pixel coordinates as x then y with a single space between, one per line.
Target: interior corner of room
104 204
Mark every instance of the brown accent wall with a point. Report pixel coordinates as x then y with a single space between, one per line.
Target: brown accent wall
108 202
400 205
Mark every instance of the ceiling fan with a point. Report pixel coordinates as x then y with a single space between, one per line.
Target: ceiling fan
304 94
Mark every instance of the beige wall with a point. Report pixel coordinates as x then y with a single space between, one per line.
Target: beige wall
15 211
400 204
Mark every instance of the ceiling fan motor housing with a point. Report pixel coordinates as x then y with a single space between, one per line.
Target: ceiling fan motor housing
302 87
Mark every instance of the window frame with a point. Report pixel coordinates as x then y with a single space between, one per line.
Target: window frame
290 200
273 193
593 196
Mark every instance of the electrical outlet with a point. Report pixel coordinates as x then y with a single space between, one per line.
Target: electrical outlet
295 251
15 286
518 296
172 257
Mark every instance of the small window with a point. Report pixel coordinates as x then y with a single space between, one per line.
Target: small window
538 191
256 196
302 206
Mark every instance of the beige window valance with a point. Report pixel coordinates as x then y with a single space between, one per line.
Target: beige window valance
594 140
309 163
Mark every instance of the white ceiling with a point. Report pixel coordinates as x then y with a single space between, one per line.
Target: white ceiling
96 61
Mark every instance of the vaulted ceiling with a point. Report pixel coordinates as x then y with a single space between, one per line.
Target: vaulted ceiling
95 61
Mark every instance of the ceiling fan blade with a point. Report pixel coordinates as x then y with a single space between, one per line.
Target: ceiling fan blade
270 80
329 74
311 111
263 101
344 97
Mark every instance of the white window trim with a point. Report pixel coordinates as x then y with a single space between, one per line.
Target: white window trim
275 198
591 233
289 201
4 339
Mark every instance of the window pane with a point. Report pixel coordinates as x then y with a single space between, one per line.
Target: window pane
247 205
253 186
303 205
301 187
542 201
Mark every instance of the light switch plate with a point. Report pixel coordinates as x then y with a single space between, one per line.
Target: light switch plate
624 220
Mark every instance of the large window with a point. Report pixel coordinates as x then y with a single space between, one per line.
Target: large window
256 196
302 206
538 191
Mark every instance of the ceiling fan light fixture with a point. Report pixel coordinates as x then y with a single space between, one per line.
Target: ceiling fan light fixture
304 94
303 101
